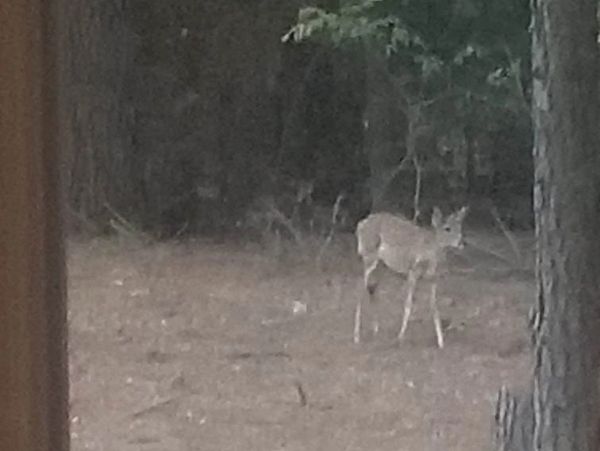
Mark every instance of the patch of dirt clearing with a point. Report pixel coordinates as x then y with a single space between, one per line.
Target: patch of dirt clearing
198 346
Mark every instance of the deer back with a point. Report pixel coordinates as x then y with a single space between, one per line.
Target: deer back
395 241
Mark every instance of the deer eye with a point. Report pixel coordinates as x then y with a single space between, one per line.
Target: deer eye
447 228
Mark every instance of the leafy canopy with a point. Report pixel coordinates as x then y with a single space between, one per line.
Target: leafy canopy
469 49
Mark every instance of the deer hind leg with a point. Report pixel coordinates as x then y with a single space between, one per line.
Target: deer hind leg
357 319
436 315
412 284
370 286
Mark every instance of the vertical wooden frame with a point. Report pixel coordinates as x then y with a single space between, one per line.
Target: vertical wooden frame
33 345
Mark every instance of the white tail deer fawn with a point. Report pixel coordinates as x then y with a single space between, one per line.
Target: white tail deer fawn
410 250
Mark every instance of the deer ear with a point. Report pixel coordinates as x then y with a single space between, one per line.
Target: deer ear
436 217
463 212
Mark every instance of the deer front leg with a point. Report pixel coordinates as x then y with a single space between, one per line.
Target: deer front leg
436 315
357 320
412 283
370 287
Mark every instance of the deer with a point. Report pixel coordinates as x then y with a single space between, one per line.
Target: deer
410 251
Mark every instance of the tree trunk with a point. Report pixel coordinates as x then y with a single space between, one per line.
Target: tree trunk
565 320
96 55
384 127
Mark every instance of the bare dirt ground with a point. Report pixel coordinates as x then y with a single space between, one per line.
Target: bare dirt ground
200 346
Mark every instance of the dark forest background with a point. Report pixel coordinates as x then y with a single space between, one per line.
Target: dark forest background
208 117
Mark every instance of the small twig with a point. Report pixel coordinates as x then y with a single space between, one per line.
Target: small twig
326 244
156 405
417 197
302 397
334 214
124 222
508 234
123 226
386 178
284 220
489 251
182 229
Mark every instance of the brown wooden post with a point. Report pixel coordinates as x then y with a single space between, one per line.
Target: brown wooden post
33 351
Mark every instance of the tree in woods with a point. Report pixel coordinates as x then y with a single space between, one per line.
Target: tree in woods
562 411
169 113
96 55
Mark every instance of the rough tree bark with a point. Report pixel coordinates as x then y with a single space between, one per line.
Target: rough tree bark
97 52
564 412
